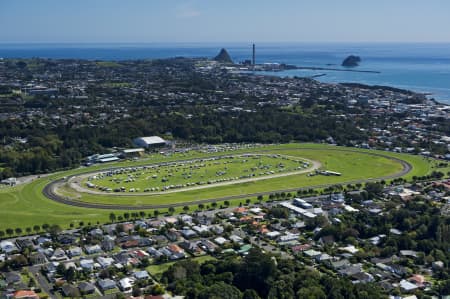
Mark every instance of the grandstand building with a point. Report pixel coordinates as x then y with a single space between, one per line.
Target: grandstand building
149 142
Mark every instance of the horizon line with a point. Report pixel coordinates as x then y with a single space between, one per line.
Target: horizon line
213 42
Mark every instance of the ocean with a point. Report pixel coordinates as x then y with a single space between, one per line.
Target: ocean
414 66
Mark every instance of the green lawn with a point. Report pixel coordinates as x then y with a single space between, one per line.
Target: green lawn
157 270
24 206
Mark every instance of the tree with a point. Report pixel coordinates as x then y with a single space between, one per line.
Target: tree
18 231
126 216
145 262
182 270
185 209
201 206
220 290
373 189
61 269
248 201
214 204
445 287
2 234
112 217
119 228
156 213
19 261
142 214
312 292
226 203
157 289
251 294
260 199
31 283
10 231
136 291
70 274
54 230
120 296
281 289
255 270
28 230
36 228
171 210
279 212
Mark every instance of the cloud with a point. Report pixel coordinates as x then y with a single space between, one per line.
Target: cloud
187 11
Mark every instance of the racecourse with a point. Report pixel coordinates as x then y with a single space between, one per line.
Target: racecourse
34 203
352 164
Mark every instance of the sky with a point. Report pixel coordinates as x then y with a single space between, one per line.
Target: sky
207 21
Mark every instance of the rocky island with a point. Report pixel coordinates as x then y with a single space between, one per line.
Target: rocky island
351 61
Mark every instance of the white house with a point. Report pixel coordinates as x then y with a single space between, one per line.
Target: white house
7 246
141 275
93 249
220 241
87 264
126 284
407 286
105 262
74 251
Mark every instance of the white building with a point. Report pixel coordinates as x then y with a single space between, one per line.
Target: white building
7 247
126 284
151 141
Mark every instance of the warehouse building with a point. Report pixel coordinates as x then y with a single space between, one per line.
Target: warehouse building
149 142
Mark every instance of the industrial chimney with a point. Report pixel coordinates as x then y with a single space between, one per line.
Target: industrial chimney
254 58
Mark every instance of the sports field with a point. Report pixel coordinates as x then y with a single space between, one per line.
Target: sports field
25 206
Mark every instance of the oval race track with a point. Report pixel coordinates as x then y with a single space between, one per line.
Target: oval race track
49 189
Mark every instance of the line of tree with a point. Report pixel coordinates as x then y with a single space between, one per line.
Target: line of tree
63 147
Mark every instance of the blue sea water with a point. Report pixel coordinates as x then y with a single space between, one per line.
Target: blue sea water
419 67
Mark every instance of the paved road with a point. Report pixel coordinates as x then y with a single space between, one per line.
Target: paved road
42 281
48 190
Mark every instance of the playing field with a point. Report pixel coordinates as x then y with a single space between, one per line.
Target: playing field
25 205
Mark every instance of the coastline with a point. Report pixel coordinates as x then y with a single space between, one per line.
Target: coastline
276 72
429 94
422 68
